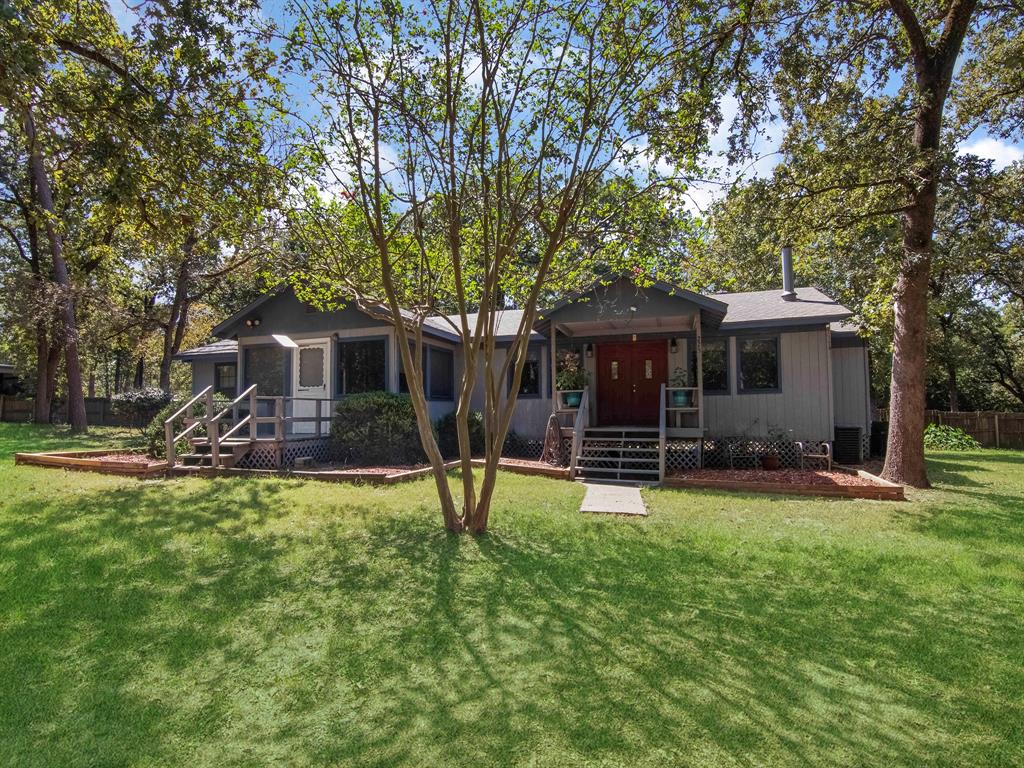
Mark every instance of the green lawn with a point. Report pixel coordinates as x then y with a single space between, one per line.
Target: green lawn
272 622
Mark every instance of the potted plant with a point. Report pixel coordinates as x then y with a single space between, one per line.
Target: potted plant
771 460
571 378
681 398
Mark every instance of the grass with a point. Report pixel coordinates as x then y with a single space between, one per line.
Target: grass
238 622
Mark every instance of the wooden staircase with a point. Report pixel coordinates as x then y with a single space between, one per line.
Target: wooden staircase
230 452
630 454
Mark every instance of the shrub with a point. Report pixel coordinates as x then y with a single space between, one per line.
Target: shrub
448 434
138 406
945 437
377 428
154 436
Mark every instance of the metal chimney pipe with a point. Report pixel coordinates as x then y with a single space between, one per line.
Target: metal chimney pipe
788 289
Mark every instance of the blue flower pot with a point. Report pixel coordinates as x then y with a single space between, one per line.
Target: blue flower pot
572 399
681 399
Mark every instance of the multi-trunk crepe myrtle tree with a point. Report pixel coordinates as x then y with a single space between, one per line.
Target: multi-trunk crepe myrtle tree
470 149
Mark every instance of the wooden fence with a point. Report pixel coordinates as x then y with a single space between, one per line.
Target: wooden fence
97 411
993 429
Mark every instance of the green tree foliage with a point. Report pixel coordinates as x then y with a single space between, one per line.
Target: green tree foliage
468 158
865 91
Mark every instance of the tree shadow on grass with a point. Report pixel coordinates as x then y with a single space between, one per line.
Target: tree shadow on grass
202 622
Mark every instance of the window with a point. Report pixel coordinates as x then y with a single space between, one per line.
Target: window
759 364
362 366
715 365
440 374
529 385
311 367
225 379
438 369
267 368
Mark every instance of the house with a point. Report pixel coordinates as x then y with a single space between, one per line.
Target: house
676 379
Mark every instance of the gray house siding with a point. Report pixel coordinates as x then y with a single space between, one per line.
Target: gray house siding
802 409
850 387
202 375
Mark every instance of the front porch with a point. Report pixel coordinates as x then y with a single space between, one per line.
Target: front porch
642 407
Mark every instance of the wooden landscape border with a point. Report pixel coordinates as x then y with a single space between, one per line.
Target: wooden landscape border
546 470
324 475
880 490
82 461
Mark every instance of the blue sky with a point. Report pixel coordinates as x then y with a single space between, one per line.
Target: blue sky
981 143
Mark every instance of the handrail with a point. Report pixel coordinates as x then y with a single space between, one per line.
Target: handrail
661 434
213 426
235 428
169 435
234 402
579 425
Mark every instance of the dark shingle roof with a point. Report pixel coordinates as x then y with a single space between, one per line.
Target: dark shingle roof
223 348
760 309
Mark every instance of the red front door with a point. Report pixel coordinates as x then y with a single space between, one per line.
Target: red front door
629 379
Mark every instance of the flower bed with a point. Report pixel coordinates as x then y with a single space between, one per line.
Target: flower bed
103 461
528 467
841 482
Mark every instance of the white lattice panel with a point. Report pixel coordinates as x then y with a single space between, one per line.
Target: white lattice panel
682 455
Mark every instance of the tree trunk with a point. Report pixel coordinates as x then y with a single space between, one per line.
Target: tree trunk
904 457
174 331
140 373
952 389
44 198
41 410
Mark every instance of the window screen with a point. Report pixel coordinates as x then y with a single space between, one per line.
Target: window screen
715 365
225 379
441 374
759 364
311 367
266 367
361 366
529 386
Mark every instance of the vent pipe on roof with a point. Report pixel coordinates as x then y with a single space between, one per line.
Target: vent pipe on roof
788 289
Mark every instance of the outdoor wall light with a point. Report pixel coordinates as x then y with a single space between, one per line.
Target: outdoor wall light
673 347
590 350
252 322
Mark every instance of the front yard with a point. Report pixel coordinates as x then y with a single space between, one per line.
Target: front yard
237 622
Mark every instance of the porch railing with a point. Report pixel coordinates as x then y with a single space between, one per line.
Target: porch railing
580 423
187 410
662 417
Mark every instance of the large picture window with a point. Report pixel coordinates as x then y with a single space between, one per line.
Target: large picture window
529 385
362 366
267 368
715 366
759 365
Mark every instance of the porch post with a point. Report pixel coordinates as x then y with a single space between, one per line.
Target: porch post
554 363
700 376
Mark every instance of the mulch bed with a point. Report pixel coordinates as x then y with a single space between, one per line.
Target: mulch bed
350 469
793 476
126 458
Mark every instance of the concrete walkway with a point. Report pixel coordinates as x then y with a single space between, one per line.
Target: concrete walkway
613 499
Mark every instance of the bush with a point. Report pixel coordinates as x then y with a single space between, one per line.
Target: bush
448 434
155 439
139 406
377 428
944 437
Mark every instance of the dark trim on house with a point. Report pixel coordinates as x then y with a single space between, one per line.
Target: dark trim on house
846 340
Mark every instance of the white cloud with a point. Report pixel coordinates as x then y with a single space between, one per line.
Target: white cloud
1001 153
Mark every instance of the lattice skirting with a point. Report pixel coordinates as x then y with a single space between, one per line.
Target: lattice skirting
746 451
269 455
681 455
519 447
